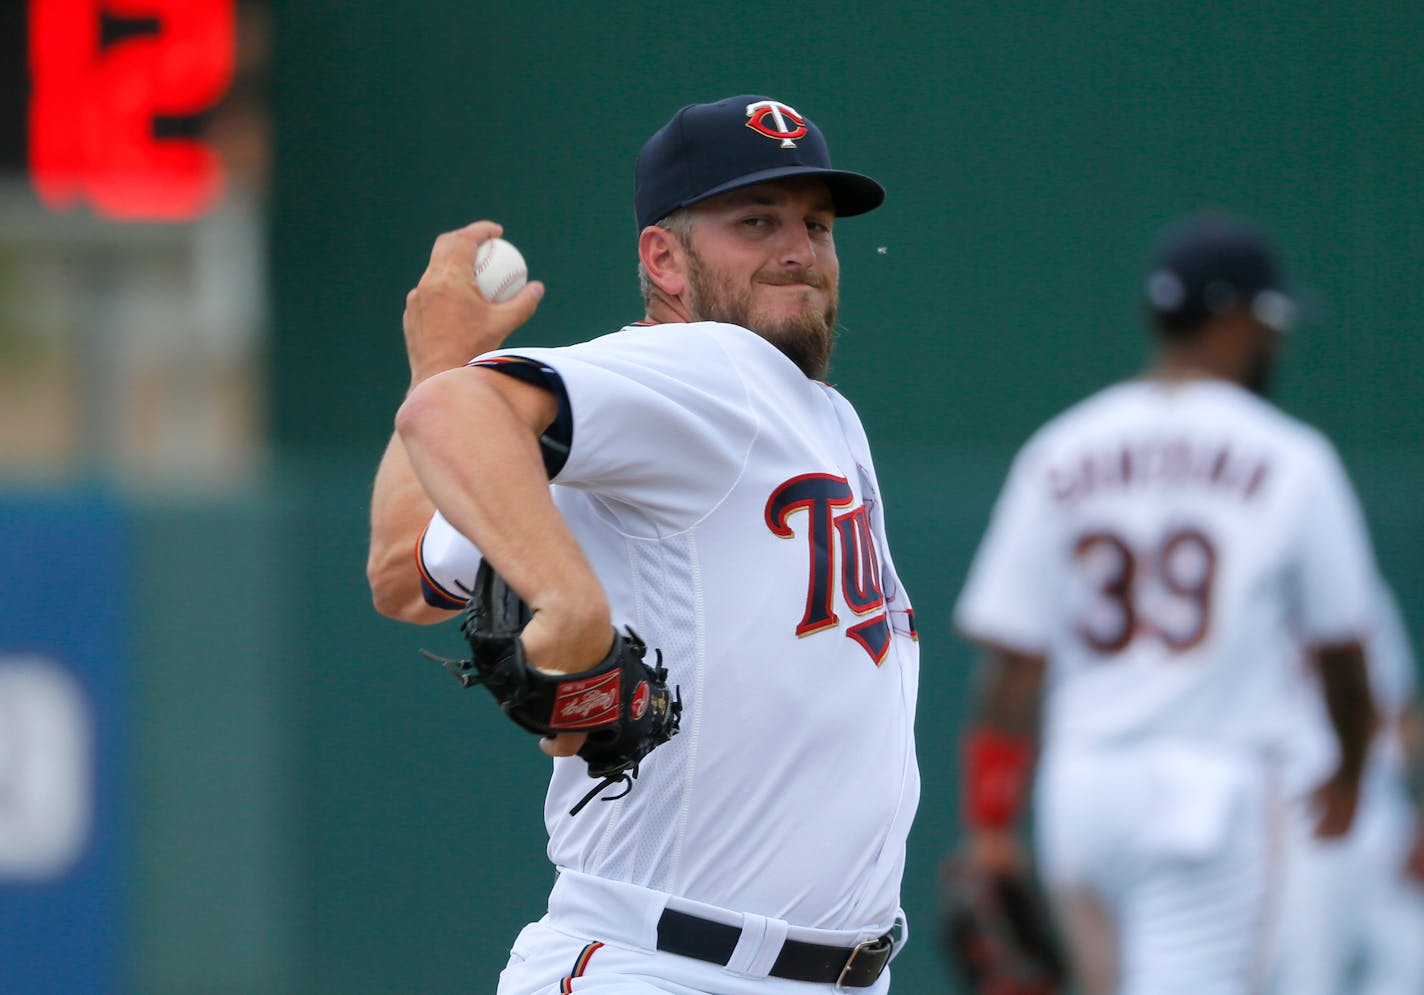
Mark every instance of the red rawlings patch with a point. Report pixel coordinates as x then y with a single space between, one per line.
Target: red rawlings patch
588 703
641 694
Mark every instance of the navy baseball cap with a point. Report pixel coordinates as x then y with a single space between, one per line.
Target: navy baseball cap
1211 264
709 149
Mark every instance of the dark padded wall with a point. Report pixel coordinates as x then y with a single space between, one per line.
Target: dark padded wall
1029 154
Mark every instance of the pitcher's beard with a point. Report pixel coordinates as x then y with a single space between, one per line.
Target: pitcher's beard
806 338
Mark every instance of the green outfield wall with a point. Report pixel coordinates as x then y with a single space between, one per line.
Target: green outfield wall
339 817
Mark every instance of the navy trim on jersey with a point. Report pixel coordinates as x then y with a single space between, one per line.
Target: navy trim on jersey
558 438
437 598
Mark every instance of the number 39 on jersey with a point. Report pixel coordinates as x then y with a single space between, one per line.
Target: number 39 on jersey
1159 590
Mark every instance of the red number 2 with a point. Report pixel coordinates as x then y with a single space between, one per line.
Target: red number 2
92 108
1164 595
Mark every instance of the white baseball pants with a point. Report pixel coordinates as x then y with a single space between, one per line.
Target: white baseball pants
1174 843
600 937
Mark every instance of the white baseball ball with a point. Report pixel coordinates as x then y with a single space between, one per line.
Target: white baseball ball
499 270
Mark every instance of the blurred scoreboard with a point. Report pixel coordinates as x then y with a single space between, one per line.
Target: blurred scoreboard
102 102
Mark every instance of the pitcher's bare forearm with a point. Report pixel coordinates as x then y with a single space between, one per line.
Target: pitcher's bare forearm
472 438
400 511
446 322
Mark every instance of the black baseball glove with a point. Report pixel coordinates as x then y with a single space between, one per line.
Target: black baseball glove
623 704
996 933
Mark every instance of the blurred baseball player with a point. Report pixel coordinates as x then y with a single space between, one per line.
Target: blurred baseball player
692 478
1351 915
1157 554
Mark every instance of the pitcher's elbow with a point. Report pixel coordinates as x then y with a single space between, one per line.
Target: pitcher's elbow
383 598
400 598
395 587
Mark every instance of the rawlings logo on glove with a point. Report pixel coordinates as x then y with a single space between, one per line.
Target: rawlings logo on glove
587 704
623 704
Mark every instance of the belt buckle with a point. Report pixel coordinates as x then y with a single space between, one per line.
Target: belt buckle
850 961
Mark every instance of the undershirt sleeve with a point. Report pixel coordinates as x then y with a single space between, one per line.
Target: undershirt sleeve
447 562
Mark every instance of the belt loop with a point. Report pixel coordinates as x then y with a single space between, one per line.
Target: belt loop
649 914
749 945
773 937
899 933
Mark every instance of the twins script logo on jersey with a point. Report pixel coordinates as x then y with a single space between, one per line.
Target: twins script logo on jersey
785 125
820 495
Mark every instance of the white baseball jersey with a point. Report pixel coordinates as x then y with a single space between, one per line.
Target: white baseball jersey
729 506
1167 547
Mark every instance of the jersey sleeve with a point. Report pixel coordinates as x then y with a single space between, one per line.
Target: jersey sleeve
660 423
1006 599
447 562
1336 564
554 442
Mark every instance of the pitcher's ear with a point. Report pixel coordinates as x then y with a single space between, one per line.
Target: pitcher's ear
664 259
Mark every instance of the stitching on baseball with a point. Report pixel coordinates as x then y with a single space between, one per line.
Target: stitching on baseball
482 264
505 284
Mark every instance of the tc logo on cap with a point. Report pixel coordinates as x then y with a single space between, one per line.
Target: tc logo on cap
785 123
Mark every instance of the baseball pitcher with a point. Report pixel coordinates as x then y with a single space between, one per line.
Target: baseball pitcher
669 546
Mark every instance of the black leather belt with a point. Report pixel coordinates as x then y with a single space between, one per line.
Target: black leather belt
845 967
